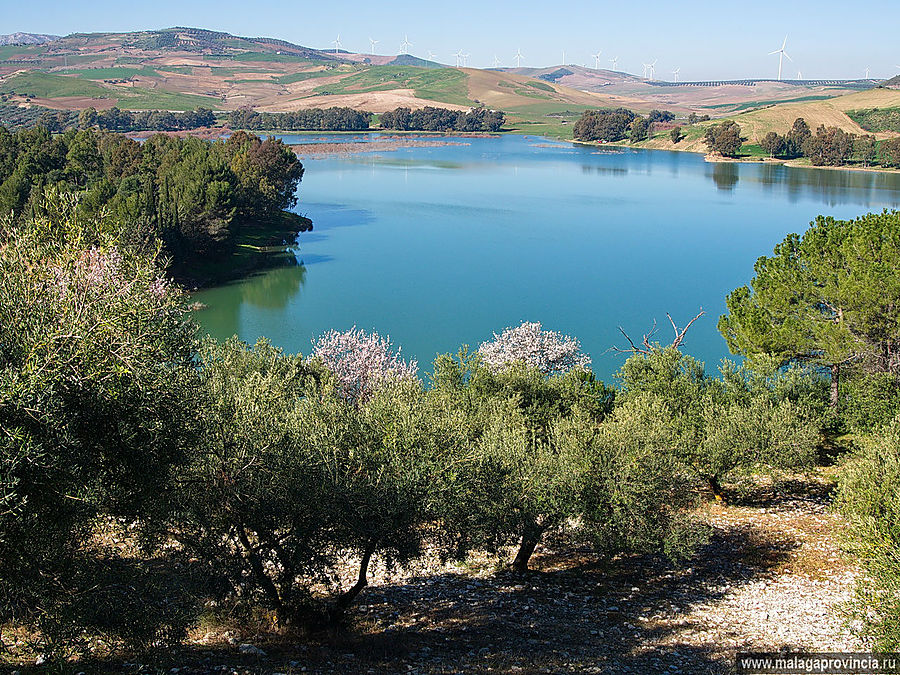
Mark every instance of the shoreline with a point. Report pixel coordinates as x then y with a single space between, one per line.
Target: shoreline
719 159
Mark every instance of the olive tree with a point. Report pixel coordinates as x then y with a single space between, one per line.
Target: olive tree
96 412
717 429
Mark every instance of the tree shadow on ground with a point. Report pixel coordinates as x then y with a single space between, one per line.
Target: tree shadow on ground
572 614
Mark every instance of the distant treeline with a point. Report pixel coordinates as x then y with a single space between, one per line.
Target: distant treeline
831 146
15 117
193 197
442 119
610 126
316 119
58 121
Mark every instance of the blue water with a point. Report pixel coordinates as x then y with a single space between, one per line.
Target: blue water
441 246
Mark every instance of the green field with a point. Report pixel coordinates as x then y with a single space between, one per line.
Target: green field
749 105
156 99
12 51
115 73
45 85
300 77
445 85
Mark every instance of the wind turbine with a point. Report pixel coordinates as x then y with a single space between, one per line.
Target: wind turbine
648 67
405 45
431 55
465 58
781 54
337 43
518 58
597 59
799 75
675 73
615 61
458 56
867 72
496 61
373 43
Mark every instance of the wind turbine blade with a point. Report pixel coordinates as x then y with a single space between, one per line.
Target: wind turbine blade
777 51
784 44
788 57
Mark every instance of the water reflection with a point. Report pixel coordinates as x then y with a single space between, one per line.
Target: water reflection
725 175
274 289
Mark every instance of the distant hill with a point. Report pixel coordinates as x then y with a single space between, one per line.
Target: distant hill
410 60
893 82
26 39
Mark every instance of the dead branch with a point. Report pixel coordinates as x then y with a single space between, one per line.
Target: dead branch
646 347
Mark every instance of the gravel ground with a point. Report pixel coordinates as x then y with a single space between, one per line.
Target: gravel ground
771 577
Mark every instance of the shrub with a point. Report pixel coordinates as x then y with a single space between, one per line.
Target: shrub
869 497
96 407
716 430
870 400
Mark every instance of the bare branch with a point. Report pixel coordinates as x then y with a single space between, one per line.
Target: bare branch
648 348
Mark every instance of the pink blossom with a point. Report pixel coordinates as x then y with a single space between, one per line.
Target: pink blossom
360 361
547 350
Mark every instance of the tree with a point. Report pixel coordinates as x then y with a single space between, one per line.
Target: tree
714 429
603 125
890 152
773 144
724 139
96 412
361 362
640 129
830 298
676 135
546 350
868 495
829 147
796 138
866 148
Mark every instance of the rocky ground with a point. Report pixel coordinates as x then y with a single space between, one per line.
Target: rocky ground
770 577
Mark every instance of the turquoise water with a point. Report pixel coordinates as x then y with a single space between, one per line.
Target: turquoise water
441 246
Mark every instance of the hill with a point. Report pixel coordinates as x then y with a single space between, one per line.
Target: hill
26 39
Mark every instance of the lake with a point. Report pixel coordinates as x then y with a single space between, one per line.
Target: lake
442 246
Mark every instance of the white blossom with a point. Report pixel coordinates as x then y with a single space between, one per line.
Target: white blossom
547 350
360 361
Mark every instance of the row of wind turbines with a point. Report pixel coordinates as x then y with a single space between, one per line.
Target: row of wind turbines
649 69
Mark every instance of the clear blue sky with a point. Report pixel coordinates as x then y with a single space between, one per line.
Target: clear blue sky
705 39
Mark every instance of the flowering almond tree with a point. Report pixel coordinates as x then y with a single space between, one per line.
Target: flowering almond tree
361 360
546 350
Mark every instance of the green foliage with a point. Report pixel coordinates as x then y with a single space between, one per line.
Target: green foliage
290 477
717 430
442 119
773 144
640 128
195 197
869 497
829 298
724 139
796 138
829 147
676 135
314 119
545 459
606 126
877 119
870 401
95 409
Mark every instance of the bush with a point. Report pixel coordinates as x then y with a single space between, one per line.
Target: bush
544 460
717 430
870 400
96 408
869 496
